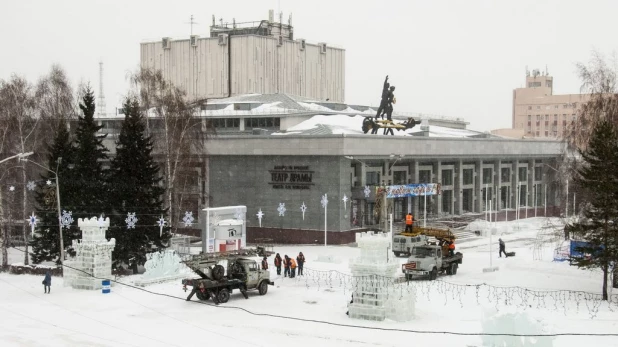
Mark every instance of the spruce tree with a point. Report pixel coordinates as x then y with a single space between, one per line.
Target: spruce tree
134 182
45 243
88 176
598 178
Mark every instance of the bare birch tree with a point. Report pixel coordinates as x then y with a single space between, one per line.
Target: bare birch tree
17 98
176 130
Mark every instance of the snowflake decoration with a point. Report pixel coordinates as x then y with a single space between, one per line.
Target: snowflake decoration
281 209
131 220
215 219
367 191
260 214
32 221
31 185
12 188
303 209
345 202
239 214
66 219
161 223
324 200
101 221
188 218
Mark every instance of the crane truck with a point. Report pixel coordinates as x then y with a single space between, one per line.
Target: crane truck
217 283
430 258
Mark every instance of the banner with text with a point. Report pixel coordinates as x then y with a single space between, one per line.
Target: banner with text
407 190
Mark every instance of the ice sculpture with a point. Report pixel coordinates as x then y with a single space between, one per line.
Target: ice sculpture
93 259
163 266
514 323
375 296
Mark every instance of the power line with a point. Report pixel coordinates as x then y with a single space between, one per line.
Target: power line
413 331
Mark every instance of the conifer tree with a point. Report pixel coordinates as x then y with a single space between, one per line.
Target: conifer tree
45 243
598 178
88 176
134 182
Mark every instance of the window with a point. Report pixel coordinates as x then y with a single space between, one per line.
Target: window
447 177
523 173
468 176
424 176
399 177
546 117
487 175
555 118
565 106
529 107
242 107
529 117
538 173
537 133
546 133
505 173
556 106
538 107
538 117
372 178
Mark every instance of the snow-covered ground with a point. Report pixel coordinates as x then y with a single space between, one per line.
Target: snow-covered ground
289 313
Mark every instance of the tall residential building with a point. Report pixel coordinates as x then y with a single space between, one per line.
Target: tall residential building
261 57
540 113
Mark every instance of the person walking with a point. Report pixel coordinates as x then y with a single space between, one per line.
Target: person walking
265 264
278 264
286 265
47 282
292 268
301 262
502 249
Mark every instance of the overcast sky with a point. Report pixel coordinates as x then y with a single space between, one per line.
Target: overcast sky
452 58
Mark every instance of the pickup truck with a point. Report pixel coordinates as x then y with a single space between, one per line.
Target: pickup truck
431 260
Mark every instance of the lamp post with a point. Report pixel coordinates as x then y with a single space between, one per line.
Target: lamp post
57 202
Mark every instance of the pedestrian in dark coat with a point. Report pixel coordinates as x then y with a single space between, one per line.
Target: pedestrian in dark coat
300 260
47 282
502 249
265 264
278 262
286 266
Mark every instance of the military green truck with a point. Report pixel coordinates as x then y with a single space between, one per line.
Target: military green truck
218 282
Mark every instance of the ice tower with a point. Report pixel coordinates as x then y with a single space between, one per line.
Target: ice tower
93 260
376 296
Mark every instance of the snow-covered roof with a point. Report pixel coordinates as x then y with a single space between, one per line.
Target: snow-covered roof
344 124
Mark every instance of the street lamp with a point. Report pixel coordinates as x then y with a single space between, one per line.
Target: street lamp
399 157
57 201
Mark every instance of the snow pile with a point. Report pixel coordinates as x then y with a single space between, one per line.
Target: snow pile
93 258
373 298
514 323
161 267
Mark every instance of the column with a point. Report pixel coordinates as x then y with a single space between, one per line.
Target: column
413 170
457 190
530 185
478 187
437 178
514 181
498 183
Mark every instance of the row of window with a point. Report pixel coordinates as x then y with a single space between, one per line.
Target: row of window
399 177
556 106
564 117
263 122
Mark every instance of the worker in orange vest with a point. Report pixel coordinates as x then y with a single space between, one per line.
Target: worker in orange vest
451 248
292 268
409 222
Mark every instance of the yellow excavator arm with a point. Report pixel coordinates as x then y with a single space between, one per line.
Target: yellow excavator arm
440 234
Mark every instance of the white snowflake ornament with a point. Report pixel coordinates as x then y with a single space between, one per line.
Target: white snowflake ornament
131 220
161 223
324 200
48 182
12 188
367 191
33 220
281 209
303 209
188 218
66 219
345 202
31 185
260 214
